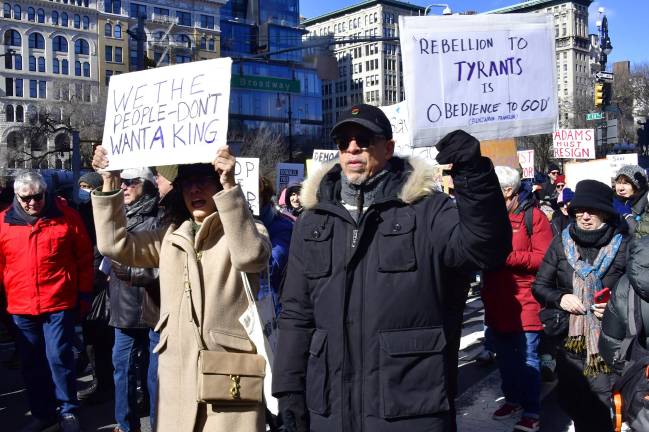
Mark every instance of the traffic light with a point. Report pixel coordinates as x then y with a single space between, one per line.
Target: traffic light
599 95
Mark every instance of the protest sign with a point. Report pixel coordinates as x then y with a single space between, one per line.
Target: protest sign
166 116
573 144
617 161
246 173
319 158
398 116
501 152
288 173
595 170
526 159
490 75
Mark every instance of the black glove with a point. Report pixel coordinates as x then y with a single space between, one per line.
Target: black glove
121 271
293 413
458 148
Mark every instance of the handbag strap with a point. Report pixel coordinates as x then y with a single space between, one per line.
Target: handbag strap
191 313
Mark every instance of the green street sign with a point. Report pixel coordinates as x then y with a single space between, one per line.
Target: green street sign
250 82
594 116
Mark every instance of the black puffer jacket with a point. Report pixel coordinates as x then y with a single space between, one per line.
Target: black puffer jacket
135 292
554 278
614 325
363 329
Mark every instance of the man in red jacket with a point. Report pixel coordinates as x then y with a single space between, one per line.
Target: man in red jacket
511 312
46 270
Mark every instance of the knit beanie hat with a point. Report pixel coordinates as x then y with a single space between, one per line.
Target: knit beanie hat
169 172
634 174
553 167
93 179
560 179
593 195
565 196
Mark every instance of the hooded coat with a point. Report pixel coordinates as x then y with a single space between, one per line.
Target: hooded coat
363 328
227 243
616 319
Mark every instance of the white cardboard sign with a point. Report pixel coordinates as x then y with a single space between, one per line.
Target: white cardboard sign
165 116
288 173
321 157
617 161
398 116
246 173
526 159
588 170
573 144
490 75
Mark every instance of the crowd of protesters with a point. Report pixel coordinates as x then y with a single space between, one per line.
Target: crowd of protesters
363 272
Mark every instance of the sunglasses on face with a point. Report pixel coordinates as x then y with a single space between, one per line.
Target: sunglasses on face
131 182
363 140
560 186
200 182
554 172
36 197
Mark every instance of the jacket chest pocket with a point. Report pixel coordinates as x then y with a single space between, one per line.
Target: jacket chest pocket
396 238
411 373
317 250
57 239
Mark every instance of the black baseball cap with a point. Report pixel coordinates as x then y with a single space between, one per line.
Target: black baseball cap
368 116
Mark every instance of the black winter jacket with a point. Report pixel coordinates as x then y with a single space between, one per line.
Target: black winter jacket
135 292
362 330
616 320
554 278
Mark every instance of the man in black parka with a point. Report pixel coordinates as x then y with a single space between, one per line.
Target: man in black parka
366 310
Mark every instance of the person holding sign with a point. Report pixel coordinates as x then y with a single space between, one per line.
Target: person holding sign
212 237
365 332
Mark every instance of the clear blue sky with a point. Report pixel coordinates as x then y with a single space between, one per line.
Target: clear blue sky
628 20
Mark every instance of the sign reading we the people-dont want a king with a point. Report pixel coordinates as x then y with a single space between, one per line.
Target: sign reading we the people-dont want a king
490 75
165 116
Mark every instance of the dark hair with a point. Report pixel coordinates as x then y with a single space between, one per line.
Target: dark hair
266 191
175 210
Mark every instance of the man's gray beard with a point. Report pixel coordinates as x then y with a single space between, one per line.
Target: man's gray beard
358 180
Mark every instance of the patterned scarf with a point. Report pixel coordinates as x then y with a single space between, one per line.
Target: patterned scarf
584 330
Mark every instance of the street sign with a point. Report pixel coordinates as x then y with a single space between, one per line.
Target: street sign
265 84
604 76
594 116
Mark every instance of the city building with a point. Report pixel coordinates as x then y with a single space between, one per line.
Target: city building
576 58
49 62
271 90
368 72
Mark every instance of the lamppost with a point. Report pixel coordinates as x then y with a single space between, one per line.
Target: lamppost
279 105
447 10
605 49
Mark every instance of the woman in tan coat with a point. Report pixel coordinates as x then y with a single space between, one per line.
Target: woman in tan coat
212 237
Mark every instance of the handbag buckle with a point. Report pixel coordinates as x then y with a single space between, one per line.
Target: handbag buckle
235 387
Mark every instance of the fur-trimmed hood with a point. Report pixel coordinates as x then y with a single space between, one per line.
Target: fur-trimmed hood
417 176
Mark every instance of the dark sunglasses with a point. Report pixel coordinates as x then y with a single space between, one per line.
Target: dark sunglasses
199 181
131 182
363 140
554 172
561 186
36 197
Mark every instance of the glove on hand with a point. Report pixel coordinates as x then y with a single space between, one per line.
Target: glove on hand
121 271
458 148
292 410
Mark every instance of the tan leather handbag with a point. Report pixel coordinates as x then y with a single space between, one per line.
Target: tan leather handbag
225 378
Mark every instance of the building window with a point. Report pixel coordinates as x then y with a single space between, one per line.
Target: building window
31 14
40 16
81 47
86 69
158 11
77 68
184 18
17 12
137 10
9 86
109 73
20 111
9 113
207 21
108 29
64 19
37 41
60 44
86 23
185 40
183 58
13 38
77 21
56 66
32 63
118 31
65 70
210 45
203 42
118 55
42 89
18 61
55 18
6 11
41 64
33 89
113 6
109 53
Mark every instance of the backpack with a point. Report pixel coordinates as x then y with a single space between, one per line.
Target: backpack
630 398
529 220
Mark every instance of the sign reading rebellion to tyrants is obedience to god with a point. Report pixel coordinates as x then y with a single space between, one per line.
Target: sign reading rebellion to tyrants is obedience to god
166 116
490 75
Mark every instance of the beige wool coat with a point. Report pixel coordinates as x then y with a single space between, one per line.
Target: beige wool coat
228 241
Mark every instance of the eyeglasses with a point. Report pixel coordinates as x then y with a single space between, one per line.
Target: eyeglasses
131 182
579 212
554 172
36 197
363 140
200 182
560 186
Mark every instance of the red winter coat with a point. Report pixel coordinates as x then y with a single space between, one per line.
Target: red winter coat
44 267
507 293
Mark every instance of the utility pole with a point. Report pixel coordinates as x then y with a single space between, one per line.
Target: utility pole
603 86
140 37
